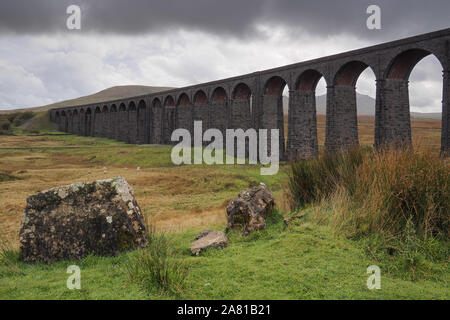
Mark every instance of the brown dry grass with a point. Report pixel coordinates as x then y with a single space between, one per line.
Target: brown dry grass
425 133
173 198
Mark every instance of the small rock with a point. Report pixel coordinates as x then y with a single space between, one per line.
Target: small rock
209 239
250 209
203 233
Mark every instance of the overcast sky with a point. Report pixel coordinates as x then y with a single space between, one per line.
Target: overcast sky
183 42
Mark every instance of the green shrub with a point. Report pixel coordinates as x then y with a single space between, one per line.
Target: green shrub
5 127
21 118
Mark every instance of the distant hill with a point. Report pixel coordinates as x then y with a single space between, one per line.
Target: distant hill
365 105
113 93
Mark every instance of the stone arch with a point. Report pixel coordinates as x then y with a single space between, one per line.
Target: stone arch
58 121
69 121
88 122
307 81
241 92
169 122
349 73
97 121
241 113
142 127
183 100
113 122
393 120
219 110
105 122
201 109
302 142
342 115
271 115
62 121
132 122
401 66
82 122
274 86
184 112
219 95
122 123
156 128
76 122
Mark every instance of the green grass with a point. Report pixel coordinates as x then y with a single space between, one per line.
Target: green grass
307 260
302 261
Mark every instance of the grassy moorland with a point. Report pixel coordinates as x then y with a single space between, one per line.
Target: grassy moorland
318 257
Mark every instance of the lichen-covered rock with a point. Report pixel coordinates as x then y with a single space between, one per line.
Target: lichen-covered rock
209 239
69 222
250 209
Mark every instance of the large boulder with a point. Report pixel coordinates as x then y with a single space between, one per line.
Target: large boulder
250 208
209 239
69 222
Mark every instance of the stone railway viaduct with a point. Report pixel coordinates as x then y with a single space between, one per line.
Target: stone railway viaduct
255 101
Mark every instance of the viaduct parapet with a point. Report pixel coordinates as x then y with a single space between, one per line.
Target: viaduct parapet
255 101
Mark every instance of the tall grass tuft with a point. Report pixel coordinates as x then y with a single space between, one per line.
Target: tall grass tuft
370 191
315 179
156 265
9 260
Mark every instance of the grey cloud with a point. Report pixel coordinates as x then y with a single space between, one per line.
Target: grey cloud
235 18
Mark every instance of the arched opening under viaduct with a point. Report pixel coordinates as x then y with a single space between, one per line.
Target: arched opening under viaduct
106 122
219 110
142 130
184 113
63 117
394 116
132 122
169 121
69 121
113 129
272 115
156 122
344 127
201 109
303 140
82 122
88 122
122 123
76 122
241 112
97 121
426 96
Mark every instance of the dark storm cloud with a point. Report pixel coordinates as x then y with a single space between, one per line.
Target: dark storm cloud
237 18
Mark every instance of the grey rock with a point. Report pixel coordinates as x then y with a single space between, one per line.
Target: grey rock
69 222
250 208
209 239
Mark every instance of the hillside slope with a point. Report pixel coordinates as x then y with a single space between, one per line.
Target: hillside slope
117 92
